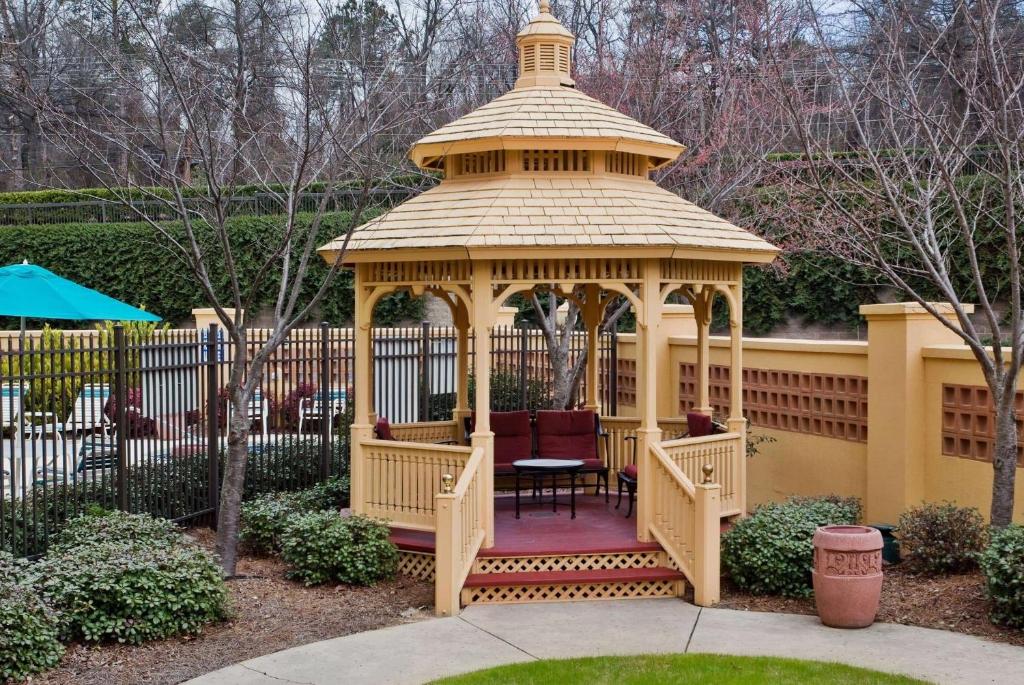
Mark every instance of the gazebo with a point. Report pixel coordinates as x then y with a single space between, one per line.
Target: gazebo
547 188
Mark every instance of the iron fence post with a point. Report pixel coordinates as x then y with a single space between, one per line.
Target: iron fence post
524 341
121 405
212 423
326 409
425 375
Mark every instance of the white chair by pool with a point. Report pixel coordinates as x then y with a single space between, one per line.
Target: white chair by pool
259 410
87 414
312 408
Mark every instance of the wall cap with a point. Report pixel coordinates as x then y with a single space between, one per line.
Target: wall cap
857 347
907 310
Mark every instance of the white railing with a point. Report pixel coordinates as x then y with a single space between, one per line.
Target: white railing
400 479
684 519
460 532
724 452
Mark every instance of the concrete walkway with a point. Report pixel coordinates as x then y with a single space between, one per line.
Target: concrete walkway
490 635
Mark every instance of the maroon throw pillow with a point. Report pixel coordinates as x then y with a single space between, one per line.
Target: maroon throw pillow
698 425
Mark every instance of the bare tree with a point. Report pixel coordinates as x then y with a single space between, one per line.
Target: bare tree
929 196
319 131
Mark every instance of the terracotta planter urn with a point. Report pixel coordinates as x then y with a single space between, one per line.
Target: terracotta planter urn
847 575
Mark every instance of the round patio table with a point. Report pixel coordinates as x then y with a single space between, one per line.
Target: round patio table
538 468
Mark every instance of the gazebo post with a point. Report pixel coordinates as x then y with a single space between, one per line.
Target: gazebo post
483 318
702 309
461 411
592 314
736 422
648 321
362 428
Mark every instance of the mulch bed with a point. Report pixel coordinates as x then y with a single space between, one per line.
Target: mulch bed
268 613
957 603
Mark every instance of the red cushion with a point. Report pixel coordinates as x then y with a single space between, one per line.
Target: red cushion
512 436
382 429
698 425
630 471
593 465
566 435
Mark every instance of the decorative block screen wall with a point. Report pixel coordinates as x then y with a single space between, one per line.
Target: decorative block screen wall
968 424
625 381
829 405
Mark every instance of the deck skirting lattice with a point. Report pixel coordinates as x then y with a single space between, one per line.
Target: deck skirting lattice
568 562
517 594
416 564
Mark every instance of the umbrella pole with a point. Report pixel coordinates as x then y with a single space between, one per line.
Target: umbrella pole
21 338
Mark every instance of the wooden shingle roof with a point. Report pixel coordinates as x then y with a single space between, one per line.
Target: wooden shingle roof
545 116
523 211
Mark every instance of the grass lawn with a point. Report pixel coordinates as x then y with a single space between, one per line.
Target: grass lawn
677 668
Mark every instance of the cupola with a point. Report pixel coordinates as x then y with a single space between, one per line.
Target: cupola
545 51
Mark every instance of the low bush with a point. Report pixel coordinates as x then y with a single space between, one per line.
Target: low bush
771 552
98 524
941 538
28 630
1002 562
264 518
134 585
323 546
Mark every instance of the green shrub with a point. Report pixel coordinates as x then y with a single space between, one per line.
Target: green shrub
146 276
1002 562
264 518
941 538
771 552
28 630
849 508
101 525
323 546
131 589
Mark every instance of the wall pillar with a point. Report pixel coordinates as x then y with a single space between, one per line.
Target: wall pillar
897 333
677 320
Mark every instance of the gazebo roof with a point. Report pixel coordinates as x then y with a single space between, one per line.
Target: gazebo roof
529 212
531 117
542 168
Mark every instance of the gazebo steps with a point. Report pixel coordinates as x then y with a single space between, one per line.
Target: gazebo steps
585 584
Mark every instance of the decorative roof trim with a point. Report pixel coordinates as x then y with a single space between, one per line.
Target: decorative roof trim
428 155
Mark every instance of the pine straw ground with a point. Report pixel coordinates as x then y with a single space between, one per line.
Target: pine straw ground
268 613
957 603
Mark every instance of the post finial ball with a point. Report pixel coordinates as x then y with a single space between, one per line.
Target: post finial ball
447 479
545 7
707 470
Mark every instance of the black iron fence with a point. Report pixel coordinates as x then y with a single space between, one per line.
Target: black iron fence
136 419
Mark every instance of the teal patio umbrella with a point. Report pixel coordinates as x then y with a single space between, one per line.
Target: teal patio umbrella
30 291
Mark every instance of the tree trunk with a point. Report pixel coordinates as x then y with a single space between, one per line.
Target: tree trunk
1004 460
233 484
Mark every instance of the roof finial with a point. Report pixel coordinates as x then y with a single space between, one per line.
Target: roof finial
545 7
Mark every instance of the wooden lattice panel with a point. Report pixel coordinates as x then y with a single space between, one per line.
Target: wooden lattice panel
565 270
518 594
422 272
968 423
625 384
569 562
416 564
830 405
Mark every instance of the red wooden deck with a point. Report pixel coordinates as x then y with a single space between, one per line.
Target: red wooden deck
598 528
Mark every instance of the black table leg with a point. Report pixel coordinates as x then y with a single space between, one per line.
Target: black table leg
517 494
572 492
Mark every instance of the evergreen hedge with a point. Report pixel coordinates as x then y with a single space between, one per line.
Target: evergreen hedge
131 261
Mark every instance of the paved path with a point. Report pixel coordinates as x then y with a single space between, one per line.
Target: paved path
490 635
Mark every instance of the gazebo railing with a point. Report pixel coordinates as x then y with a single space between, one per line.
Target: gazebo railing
460 532
685 520
619 428
400 479
427 431
723 452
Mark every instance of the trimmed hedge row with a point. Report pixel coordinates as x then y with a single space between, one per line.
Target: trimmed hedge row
149 274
